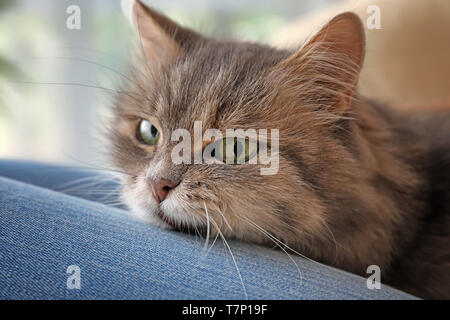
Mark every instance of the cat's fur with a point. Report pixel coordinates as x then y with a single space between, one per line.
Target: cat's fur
359 184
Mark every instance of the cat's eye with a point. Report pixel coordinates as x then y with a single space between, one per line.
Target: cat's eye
147 133
235 150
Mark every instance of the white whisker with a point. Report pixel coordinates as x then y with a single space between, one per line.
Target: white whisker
266 233
226 221
292 250
232 257
207 226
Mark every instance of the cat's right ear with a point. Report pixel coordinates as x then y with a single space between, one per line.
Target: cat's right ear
162 39
326 68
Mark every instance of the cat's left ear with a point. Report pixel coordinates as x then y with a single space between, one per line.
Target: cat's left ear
326 68
162 39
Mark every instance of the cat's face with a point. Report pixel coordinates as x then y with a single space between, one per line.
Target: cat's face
186 78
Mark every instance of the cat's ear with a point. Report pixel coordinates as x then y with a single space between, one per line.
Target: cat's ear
328 65
161 38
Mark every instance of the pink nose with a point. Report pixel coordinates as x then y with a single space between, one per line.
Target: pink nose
160 188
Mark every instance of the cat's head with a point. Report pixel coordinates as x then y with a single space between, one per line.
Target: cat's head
184 78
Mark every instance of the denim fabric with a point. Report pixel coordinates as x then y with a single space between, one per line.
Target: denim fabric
43 231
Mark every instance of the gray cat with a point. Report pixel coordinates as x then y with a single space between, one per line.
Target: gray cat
358 183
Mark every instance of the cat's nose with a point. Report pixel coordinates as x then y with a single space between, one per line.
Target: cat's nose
160 188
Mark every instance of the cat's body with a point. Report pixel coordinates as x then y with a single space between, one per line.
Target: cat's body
423 267
358 183
399 216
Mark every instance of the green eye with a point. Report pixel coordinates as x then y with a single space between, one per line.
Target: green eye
240 150
147 133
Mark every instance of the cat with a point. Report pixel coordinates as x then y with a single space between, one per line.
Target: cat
358 184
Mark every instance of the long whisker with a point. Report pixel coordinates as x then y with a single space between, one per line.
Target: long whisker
296 252
88 182
93 166
107 54
207 225
193 223
77 84
266 233
334 240
214 241
225 219
232 257
87 62
92 50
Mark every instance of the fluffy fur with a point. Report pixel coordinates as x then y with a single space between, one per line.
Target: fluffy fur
358 183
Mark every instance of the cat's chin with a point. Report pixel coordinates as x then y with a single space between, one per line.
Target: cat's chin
150 212
159 219
149 217
144 212
166 220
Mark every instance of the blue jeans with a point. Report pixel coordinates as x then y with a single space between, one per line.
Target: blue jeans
63 237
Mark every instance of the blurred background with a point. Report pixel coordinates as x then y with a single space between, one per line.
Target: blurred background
50 108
